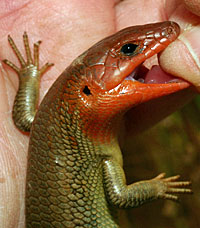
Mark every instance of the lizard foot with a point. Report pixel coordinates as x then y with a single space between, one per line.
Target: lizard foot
32 64
168 187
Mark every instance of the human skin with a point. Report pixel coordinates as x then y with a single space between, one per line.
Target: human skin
67 28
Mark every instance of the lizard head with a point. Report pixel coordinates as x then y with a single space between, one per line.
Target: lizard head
114 78
118 57
114 65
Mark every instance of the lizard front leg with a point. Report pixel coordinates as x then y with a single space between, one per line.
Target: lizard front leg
123 196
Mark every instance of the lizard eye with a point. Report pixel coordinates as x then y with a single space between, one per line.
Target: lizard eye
128 49
87 91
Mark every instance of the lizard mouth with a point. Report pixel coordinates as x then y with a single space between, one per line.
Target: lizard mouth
155 75
151 111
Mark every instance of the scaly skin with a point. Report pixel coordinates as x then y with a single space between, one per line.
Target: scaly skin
75 176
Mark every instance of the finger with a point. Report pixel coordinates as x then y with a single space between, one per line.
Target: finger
168 179
182 58
193 6
27 48
160 176
179 190
169 197
179 184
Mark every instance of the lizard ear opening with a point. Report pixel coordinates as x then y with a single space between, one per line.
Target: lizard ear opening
87 91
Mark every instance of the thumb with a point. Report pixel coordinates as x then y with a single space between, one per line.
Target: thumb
193 6
182 57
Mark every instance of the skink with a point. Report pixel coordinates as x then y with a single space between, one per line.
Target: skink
75 174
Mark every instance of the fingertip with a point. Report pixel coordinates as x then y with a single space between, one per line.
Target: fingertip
193 6
182 57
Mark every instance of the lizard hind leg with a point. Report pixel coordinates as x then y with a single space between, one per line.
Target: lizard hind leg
29 75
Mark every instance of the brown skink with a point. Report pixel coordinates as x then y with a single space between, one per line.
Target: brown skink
75 174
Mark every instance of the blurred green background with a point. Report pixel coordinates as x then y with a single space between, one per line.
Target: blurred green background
173 147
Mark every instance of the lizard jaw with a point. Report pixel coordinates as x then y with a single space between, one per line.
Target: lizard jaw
153 76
